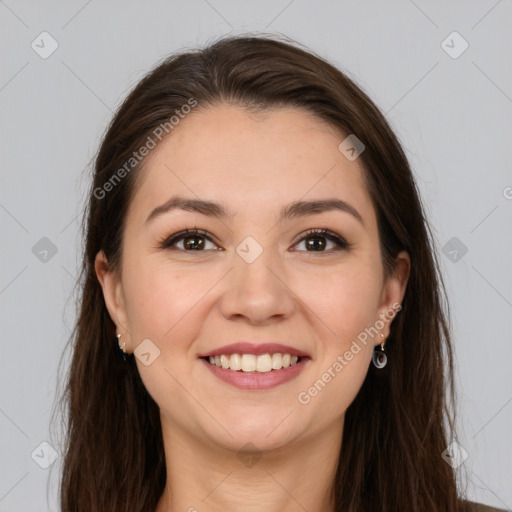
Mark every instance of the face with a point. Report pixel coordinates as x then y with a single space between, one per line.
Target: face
252 274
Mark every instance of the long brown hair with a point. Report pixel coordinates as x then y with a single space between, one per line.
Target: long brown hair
402 418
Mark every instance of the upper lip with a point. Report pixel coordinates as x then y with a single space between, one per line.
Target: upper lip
245 347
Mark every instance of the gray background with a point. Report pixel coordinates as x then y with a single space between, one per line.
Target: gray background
453 116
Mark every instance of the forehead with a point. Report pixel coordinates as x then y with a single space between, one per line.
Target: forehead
253 162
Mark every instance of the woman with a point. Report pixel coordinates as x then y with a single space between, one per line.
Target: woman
262 323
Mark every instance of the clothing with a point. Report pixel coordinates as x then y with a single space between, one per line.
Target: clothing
472 506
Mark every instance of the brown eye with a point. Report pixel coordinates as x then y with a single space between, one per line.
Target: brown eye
317 240
193 240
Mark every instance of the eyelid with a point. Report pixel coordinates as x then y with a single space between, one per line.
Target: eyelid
169 241
340 241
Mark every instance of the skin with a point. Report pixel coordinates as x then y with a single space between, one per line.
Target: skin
188 302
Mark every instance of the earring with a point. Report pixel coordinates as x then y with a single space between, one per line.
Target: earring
380 359
122 347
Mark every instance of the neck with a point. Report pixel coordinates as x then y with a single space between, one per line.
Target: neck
207 477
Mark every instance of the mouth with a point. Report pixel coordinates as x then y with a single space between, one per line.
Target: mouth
255 371
254 363
253 366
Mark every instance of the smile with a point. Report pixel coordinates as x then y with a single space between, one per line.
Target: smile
250 371
249 362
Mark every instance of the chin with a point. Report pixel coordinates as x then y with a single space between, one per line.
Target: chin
263 434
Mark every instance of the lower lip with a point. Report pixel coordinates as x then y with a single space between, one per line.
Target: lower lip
257 380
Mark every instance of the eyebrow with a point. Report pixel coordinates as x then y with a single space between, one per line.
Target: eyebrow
288 212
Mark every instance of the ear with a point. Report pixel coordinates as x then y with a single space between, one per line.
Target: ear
393 292
112 293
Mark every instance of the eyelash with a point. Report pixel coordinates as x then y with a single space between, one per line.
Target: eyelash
342 244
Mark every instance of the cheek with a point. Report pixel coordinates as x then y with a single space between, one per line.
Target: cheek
350 308
164 305
160 296
345 300
347 303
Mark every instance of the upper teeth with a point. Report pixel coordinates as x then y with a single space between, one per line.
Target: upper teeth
250 362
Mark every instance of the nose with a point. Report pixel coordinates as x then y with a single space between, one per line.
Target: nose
257 292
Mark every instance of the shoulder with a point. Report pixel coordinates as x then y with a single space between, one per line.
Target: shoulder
471 506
